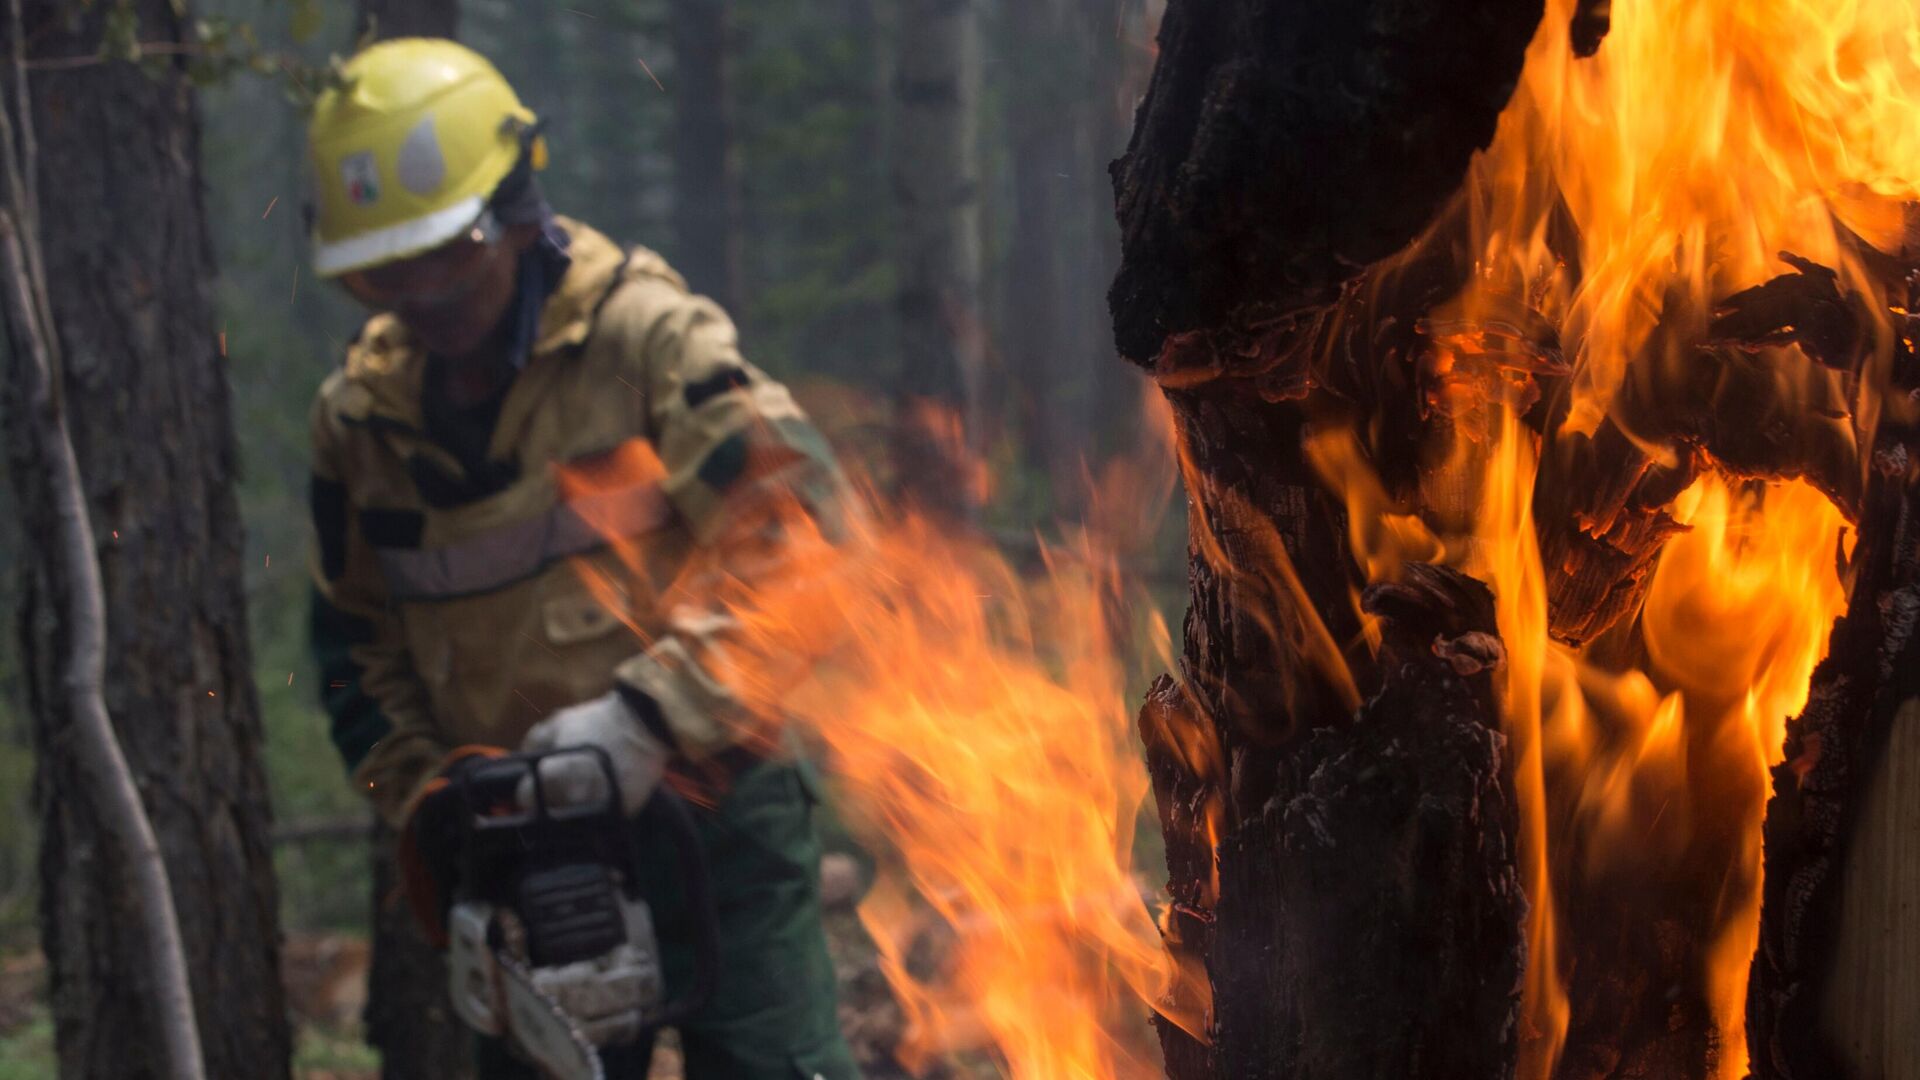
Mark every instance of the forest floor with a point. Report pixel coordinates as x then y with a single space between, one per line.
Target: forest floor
326 984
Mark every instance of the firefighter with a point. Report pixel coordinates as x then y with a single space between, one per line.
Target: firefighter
459 598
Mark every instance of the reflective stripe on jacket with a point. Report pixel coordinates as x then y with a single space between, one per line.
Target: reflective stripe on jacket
439 622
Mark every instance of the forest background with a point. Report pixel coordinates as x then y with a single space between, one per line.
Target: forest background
809 143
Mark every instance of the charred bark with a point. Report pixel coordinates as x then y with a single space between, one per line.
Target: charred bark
1822 790
1283 147
128 264
1362 914
1388 844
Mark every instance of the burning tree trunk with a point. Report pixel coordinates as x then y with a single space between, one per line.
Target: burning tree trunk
1832 991
1834 980
1366 357
1361 915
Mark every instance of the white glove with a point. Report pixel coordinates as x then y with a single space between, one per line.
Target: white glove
638 758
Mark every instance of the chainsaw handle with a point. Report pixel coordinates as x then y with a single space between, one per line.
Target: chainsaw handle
696 879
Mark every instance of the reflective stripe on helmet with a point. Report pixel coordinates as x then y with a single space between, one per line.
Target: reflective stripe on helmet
396 241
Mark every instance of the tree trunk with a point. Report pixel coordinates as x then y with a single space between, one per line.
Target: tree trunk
1349 882
628 184
1042 125
408 1017
706 174
407 18
128 264
1103 114
1833 989
935 167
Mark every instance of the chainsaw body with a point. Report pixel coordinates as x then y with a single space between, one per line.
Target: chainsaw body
549 943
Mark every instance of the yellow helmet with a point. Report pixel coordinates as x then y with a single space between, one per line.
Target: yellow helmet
406 149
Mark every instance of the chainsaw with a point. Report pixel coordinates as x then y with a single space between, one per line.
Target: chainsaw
550 945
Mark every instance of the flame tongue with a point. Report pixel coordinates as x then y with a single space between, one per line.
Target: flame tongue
976 723
1623 199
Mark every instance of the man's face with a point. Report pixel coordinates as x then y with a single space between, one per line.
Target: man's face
450 298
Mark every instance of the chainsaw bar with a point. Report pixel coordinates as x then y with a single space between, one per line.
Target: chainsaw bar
543 1029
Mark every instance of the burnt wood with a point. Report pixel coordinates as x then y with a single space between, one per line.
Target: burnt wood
1362 914
1283 147
1872 669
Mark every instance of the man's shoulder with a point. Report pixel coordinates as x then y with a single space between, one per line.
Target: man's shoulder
649 295
645 279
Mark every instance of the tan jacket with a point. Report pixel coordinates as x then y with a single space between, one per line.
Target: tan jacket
437 626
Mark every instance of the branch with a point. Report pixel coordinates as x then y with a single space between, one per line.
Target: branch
357 827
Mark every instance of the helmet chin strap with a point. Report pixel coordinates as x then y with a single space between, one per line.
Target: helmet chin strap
518 200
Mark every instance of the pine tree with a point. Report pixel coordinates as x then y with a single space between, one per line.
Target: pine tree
129 266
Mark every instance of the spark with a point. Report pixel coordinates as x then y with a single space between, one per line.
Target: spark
269 209
289 678
583 14
650 74
269 560
212 694
223 343
540 643
629 385
116 534
1657 817
296 283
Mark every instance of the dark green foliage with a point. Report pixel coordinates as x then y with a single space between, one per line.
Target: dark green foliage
818 287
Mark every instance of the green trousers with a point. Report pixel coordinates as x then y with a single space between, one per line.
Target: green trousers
773 1015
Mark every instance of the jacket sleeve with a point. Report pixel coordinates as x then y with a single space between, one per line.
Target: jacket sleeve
381 722
741 462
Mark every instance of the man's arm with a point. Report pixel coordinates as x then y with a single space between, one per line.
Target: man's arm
381 721
748 474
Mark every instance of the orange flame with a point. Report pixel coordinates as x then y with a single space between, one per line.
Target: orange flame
1623 196
1701 140
979 734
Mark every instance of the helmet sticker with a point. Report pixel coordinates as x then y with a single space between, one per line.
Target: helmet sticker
361 178
421 167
